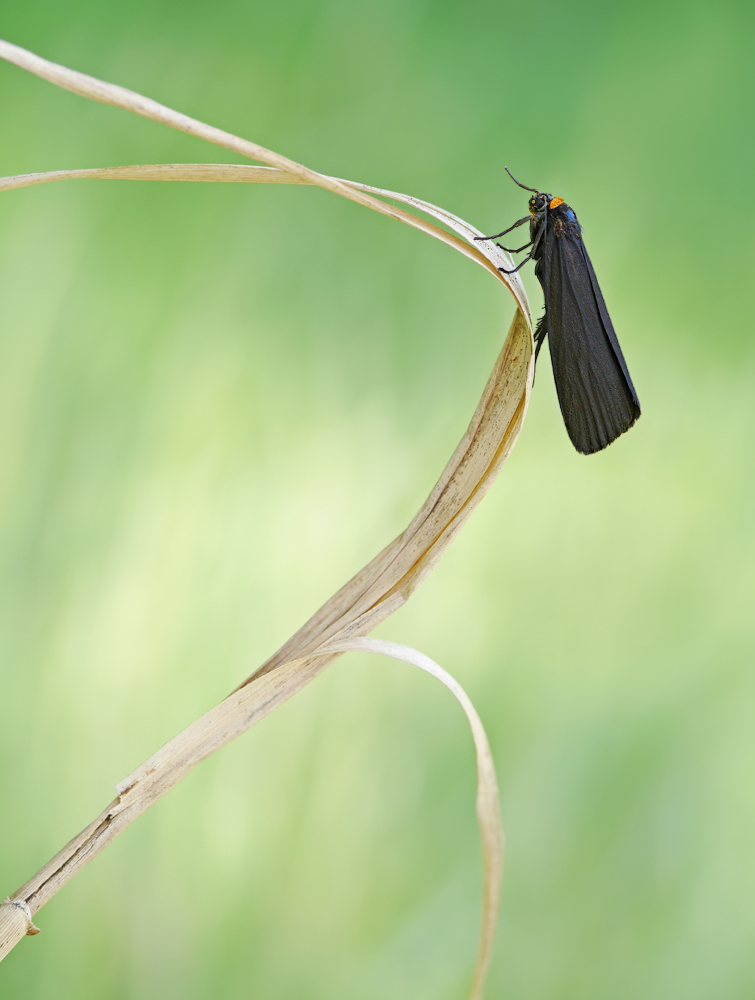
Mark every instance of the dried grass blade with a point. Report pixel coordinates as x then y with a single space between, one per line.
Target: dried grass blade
485 254
378 589
388 581
128 100
374 593
239 173
488 804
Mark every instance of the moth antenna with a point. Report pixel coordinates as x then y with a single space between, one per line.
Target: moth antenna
535 190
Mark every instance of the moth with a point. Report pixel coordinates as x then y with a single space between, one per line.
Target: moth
595 392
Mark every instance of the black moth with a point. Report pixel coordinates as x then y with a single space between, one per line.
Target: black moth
598 401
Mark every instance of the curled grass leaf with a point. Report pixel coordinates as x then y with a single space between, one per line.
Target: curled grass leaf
488 804
128 100
489 255
385 583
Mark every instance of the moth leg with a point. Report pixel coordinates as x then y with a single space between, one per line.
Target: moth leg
514 270
518 250
541 332
520 223
535 244
538 240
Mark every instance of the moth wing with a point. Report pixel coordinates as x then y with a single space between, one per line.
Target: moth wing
597 399
607 324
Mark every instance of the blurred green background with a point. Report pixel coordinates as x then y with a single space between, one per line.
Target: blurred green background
218 402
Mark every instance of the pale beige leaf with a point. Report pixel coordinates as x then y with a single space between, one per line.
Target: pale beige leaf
380 587
488 804
129 100
486 253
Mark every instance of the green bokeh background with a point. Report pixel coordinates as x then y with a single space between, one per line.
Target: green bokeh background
218 402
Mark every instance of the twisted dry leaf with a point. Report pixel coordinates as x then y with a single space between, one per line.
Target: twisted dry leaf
380 587
488 806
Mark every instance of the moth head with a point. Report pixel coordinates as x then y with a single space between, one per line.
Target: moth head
539 202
